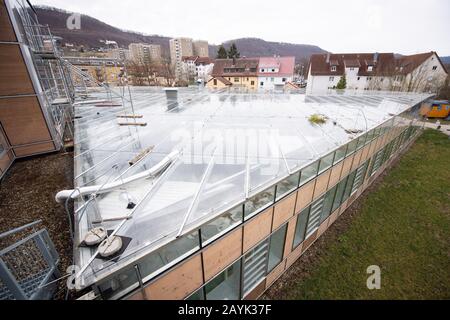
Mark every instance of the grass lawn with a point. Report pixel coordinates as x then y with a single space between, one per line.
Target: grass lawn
403 227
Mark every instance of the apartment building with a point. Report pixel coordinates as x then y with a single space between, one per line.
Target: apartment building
143 53
242 72
198 69
376 71
120 54
179 48
34 92
201 48
275 72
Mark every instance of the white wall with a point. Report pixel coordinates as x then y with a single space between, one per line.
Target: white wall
269 83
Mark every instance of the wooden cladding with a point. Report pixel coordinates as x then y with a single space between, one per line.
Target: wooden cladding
24 124
14 78
222 253
7 33
177 283
284 210
257 229
305 195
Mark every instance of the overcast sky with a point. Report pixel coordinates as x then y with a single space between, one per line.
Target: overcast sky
401 26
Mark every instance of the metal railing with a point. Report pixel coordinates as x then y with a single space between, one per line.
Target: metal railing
28 266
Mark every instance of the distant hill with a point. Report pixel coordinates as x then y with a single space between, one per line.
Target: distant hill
253 47
93 30
445 60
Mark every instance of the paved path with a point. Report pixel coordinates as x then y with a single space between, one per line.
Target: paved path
445 128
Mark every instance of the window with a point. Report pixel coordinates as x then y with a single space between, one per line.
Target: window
276 248
314 216
273 70
361 142
226 285
328 204
370 68
309 173
120 284
255 265
352 147
215 82
300 228
434 68
198 295
359 177
284 79
349 186
236 79
359 78
221 225
168 255
331 79
259 202
263 70
339 193
326 162
252 83
333 69
262 84
287 185
340 154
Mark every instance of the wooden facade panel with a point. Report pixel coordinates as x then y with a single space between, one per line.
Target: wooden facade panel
365 154
305 196
373 147
14 78
23 121
257 229
335 175
177 283
222 253
295 254
34 149
275 274
322 184
333 217
284 210
308 242
257 292
7 33
347 166
356 160
323 227
290 234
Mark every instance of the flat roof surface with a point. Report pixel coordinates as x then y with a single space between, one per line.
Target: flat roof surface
231 146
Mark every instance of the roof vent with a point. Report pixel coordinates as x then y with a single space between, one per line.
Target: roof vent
172 98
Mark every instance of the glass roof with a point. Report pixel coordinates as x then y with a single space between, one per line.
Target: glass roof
231 146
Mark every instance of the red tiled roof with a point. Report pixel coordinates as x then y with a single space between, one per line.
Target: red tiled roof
286 66
242 67
382 63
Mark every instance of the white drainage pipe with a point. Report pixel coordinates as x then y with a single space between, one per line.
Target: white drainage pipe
73 194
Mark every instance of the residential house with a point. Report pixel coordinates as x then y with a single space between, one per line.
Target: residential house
242 72
275 72
196 68
376 71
